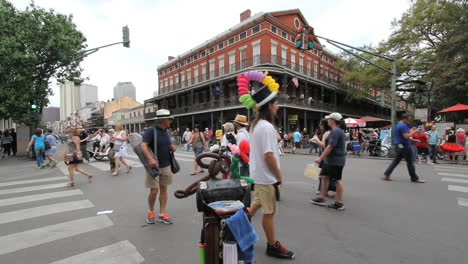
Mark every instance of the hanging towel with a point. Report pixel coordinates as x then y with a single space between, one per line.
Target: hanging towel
244 233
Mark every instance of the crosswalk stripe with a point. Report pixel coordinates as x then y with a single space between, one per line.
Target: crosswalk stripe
104 166
185 155
454 180
32 181
122 252
39 197
32 188
453 168
38 236
34 212
452 174
456 188
462 202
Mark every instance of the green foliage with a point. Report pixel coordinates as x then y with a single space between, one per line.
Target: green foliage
35 46
429 42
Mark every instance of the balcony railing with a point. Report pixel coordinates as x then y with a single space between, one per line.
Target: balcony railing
247 63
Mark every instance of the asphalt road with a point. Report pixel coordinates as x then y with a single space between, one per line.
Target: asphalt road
384 222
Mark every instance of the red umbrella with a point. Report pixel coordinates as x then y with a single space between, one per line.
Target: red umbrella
455 108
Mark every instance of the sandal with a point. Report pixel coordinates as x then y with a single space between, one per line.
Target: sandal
70 184
193 173
90 178
419 181
386 178
202 171
129 169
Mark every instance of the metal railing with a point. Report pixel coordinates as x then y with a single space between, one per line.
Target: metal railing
250 62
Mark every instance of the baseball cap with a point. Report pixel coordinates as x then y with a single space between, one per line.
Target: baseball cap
336 116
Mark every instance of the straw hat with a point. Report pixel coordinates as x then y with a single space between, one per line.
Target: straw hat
241 119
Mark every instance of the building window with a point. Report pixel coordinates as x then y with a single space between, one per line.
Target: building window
284 54
309 66
256 29
195 75
293 59
297 23
232 62
182 63
301 64
315 51
243 58
212 69
203 54
203 69
293 39
221 65
326 59
274 48
195 57
256 53
231 41
182 80
189 77
315 69
243 35
221 45
188 60
212 49
273 29
284 35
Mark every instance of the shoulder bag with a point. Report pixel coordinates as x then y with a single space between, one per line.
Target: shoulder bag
175 167
153 172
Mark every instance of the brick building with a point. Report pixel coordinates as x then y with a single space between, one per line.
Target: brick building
199 86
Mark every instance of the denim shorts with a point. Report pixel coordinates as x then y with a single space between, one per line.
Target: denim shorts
199 151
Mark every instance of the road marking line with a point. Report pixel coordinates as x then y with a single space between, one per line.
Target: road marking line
452 168
456 188
462 202
452 174
32 188
122 252
454 180
38 236
39 197
43 210
32 181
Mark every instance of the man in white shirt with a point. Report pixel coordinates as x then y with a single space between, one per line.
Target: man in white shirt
265 168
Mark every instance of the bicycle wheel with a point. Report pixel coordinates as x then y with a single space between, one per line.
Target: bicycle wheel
383 152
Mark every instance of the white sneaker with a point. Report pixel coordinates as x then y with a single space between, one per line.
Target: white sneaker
430 163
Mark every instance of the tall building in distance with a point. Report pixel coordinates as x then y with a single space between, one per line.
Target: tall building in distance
88 94
69 99
125 89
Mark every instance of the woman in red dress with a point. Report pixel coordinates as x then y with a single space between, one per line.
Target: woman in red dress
451 145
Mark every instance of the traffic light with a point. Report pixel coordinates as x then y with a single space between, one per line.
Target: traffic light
33 105
305 38
126 37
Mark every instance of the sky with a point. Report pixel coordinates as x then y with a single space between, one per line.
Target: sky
159 29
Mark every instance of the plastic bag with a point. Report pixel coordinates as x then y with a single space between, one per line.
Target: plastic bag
312 171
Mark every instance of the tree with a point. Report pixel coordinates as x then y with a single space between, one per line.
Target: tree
429 42
36 45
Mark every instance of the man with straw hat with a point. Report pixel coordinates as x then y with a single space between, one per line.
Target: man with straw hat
242 133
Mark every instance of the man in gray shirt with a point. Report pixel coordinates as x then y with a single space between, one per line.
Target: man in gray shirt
334 158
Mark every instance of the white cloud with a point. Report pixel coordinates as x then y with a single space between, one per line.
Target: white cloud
162 28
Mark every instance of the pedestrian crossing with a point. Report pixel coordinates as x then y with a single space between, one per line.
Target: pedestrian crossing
35 201
455 175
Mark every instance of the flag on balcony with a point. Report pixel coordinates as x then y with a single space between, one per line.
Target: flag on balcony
295 81
217 90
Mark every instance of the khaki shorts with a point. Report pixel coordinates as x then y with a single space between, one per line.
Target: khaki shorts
265 196
165 178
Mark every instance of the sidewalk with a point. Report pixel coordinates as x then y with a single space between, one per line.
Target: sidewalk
304 151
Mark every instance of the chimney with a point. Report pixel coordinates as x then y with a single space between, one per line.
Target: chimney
245 15
169 58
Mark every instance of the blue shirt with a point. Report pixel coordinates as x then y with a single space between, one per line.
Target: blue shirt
52 140
401 128
39 142
433 137
337 139
163 144
297 136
